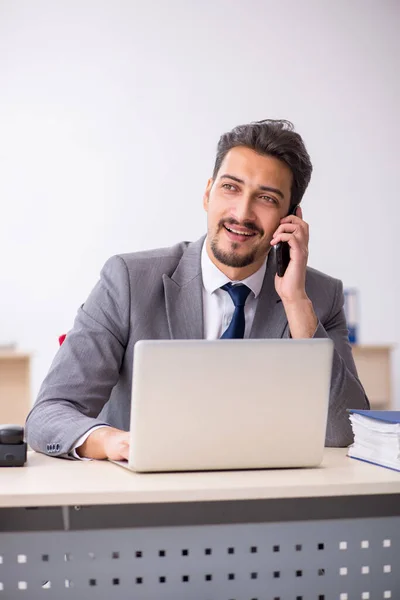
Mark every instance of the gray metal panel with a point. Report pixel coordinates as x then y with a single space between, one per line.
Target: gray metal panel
210 562
110 516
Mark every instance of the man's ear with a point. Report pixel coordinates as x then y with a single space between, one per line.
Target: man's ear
206 196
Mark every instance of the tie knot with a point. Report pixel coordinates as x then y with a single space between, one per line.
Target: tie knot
238 293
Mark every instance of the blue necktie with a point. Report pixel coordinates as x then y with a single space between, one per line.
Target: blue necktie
239 294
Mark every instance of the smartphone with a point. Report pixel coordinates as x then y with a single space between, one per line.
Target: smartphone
282 251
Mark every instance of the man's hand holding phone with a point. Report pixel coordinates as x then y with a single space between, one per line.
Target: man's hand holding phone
293 231
291 288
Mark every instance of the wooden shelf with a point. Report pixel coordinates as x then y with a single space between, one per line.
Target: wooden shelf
8 355
15 393
373 364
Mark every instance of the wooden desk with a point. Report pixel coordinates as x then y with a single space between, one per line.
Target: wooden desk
15 394
331 532
48 481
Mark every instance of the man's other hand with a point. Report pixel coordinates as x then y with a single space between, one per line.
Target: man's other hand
106 442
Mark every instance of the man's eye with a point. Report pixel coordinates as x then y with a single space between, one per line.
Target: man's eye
229 187
269 199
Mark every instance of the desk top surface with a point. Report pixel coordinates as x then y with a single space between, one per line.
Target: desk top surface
47 481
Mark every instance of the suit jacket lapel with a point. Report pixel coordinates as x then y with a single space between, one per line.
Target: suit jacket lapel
184 300
270 319
184 295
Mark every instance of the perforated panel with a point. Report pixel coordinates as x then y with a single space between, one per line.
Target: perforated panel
318 560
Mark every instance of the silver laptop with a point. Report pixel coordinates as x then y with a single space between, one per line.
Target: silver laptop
229 404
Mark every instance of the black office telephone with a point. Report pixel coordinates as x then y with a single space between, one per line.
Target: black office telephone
12 446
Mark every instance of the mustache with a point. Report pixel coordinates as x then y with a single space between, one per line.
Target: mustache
247 224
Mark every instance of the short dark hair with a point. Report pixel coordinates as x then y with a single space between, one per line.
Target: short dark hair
272 138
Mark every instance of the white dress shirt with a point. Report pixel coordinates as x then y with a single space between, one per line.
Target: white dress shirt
218 309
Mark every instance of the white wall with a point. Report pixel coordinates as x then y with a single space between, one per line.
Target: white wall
110 112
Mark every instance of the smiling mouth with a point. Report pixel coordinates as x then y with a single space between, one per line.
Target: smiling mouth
243 235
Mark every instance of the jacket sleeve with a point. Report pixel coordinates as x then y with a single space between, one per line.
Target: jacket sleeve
86 366
346 389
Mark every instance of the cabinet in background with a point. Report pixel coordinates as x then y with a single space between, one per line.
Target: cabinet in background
373 366
15 393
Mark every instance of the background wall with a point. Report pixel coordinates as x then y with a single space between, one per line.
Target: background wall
110 112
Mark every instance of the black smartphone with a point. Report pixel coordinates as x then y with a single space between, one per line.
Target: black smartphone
282 251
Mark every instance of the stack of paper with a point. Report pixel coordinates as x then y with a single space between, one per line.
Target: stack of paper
376 437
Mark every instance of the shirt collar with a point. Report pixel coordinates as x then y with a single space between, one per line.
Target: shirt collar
213 278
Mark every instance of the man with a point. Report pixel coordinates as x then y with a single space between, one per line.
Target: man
261 173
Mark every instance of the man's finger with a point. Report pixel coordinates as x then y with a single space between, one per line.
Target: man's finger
124 452
291 219
295 224
298 218
293 241
286 236
286 228
123 446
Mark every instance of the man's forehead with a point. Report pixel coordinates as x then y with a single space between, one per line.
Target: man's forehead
256 169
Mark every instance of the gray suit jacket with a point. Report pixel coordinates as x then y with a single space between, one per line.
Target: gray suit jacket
158 295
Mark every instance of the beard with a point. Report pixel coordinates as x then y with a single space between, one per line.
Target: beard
232 258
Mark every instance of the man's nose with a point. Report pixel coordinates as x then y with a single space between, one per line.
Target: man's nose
243 210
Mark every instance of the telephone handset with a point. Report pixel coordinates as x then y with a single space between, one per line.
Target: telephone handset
282 251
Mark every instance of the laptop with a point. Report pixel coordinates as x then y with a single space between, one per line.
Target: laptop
229 404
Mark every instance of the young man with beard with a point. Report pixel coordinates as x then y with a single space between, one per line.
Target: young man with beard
189 291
